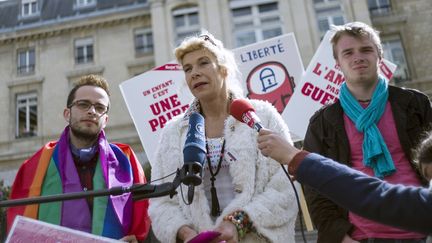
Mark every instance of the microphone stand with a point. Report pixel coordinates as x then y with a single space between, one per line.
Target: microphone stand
139 191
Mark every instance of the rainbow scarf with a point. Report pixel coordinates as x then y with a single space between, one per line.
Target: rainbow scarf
52 171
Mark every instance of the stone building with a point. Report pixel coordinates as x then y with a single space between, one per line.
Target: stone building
46 45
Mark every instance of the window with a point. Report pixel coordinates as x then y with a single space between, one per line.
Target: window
186 22
143 41
255 21
26 61
84 3
29 8
394 52
26 115
328 13
324 22
377 7
84 50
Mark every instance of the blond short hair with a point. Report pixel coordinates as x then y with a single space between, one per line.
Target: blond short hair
357 30
224 57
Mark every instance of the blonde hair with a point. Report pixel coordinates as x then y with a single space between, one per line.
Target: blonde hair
357 30
224 57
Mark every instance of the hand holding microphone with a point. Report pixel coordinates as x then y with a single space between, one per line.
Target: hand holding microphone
276 147
270 143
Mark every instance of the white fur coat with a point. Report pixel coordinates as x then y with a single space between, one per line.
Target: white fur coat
261 187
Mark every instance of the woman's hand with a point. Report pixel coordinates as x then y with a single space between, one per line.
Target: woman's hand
228 233
130 239
186 233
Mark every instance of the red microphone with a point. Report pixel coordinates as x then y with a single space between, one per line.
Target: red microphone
243 111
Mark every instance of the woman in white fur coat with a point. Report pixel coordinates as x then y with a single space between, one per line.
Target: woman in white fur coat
256 201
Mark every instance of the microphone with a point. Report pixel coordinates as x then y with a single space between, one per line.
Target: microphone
243 111
194 153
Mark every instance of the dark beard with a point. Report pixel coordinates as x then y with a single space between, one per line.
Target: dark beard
84 136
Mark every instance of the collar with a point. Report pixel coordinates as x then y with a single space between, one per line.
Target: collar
83 155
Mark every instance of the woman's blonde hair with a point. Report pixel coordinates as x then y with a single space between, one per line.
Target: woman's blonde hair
224 57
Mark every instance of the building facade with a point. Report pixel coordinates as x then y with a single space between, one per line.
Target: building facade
46 45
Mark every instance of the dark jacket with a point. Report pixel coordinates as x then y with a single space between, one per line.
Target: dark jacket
406 207
326 136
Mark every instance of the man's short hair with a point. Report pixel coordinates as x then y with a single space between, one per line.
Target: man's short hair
89 80
357 30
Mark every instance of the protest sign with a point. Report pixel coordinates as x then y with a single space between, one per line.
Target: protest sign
153 98
271 69
31 230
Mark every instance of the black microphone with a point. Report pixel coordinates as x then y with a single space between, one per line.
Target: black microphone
243 111
194 153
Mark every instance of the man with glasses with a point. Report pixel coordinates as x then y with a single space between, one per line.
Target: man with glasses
81 160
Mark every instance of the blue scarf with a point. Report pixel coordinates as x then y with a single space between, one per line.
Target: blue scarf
375 152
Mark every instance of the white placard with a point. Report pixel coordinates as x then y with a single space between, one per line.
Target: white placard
271 69
31 230
153 98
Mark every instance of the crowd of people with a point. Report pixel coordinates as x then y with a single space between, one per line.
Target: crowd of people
365 164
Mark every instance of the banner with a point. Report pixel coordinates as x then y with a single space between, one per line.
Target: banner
319 86
32 230
271 69
153 98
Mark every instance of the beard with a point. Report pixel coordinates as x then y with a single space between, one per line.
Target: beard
84 134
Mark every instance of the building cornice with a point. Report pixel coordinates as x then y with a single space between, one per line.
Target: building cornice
25 80
71 24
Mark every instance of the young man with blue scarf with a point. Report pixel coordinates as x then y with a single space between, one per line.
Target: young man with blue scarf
372 128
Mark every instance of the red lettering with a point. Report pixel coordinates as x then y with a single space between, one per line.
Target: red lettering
153 124
160 121
317 70
174 100
155 108
307 88
330 76
386 71
339 79
317 94
328 98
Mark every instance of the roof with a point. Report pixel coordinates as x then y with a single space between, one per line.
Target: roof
58 11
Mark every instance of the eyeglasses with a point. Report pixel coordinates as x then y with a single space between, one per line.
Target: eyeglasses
85 105
207 38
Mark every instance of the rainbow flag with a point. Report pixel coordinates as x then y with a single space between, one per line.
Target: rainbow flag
51 170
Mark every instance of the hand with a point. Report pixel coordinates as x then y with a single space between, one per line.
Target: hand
273 145
228 233
348 239
130 239
186 233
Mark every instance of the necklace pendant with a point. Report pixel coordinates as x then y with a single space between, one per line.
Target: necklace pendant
215 208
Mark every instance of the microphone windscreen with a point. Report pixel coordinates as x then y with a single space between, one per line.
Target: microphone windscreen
195 144
240 107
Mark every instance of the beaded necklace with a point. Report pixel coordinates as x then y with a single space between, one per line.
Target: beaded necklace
215 208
